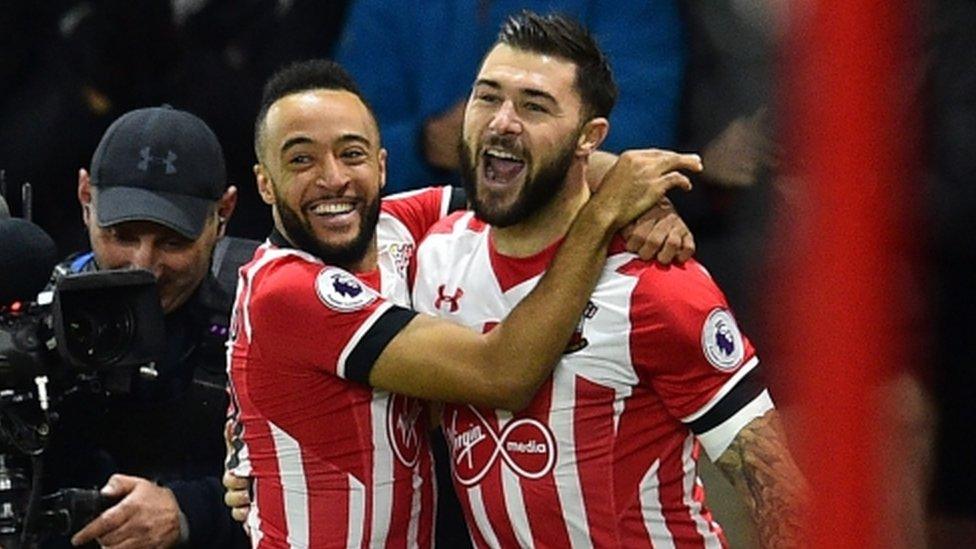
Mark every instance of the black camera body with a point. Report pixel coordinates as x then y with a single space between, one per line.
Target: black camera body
90 333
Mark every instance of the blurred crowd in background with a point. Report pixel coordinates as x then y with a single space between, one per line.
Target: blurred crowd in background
695 75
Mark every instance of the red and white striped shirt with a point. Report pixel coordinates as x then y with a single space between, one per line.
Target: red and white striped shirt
334 462
606 453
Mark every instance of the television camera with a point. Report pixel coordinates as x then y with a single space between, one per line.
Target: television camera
85 332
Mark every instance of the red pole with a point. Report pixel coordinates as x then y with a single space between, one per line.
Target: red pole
845 91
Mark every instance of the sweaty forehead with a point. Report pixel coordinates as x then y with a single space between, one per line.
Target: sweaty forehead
508 66
321 115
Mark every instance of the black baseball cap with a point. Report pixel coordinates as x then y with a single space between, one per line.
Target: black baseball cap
158 164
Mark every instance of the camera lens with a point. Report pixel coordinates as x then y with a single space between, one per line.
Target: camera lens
99 335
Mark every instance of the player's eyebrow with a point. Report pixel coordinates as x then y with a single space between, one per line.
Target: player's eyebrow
293 141
344 138
487 82
539 94
531 92
355 138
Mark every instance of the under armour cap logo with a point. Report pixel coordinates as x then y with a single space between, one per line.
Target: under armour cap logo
145 154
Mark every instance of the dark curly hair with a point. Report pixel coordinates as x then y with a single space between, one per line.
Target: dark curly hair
314 74
562 36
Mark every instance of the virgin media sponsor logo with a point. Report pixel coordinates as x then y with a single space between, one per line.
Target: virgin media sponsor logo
404 427
525 446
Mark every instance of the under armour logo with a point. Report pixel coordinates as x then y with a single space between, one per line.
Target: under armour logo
147 158
451 300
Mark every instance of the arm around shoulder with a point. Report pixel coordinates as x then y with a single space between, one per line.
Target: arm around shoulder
433 359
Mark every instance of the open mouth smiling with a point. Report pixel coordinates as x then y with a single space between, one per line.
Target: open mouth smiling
332 208
501 167
334 214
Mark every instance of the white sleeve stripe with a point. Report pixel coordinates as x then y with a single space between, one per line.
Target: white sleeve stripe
358 335
254 518
716 440
248 275
294 486
357 512
724 390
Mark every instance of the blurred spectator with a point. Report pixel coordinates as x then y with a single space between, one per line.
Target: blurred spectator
74 67
415 66
952 161
221 69
726 114
69 67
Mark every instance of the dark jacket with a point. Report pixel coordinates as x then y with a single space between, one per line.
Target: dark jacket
168 429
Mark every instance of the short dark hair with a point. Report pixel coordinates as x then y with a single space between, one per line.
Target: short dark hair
562 36
300 76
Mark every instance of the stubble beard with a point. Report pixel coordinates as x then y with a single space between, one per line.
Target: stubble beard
299 231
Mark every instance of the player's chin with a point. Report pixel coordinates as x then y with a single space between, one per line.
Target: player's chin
495 209
338 238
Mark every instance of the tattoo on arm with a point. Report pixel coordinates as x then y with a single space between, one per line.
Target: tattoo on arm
758 463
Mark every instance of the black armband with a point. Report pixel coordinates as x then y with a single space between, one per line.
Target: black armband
744 392
360 362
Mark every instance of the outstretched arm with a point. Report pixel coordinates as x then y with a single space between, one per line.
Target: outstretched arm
759 464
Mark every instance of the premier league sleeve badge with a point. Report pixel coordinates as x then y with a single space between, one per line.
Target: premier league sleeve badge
721 340
341 291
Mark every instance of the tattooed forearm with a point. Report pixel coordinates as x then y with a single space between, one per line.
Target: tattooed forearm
759 465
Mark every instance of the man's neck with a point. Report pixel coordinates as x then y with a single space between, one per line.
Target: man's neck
547 225
368 262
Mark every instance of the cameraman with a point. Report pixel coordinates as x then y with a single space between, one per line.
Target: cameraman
156 199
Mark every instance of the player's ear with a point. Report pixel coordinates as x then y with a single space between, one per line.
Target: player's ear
382 165
264 184
592 136
85 195
225 208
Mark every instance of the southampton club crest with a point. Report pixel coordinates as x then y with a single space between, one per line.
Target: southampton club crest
401 254
721 340
578 342
342 291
